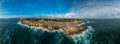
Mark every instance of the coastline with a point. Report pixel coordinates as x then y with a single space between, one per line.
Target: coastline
38 28
71 32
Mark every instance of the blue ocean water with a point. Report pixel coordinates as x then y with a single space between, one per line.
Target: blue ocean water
106 31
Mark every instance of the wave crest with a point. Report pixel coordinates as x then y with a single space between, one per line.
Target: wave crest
83 38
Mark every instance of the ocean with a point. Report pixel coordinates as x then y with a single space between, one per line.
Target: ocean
102 31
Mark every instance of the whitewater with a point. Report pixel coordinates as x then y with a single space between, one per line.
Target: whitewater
82 38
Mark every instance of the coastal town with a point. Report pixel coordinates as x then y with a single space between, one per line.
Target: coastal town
69 26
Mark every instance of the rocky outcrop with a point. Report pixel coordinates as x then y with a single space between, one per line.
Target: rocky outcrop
69 27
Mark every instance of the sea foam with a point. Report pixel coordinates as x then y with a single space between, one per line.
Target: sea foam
82 38
39 28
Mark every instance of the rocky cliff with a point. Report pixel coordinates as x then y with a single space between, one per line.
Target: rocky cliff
70 27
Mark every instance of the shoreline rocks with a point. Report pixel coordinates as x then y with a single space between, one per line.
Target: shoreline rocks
69 27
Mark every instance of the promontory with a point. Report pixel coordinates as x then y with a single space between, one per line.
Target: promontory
69 26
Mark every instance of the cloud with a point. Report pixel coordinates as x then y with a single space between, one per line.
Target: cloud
99 12
2 13
96 10
69 15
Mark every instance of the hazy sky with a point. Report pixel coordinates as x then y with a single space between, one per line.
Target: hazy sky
60 8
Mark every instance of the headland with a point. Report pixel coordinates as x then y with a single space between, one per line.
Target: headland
69 26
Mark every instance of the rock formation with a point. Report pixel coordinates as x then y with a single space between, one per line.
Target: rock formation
70 27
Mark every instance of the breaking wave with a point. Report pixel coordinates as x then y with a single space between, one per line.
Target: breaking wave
39 28
83 38
58 34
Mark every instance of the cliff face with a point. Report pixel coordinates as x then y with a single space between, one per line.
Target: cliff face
69 27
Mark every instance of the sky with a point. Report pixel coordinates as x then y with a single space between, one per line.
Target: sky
60 8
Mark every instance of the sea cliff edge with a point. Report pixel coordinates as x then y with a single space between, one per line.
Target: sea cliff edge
69 26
